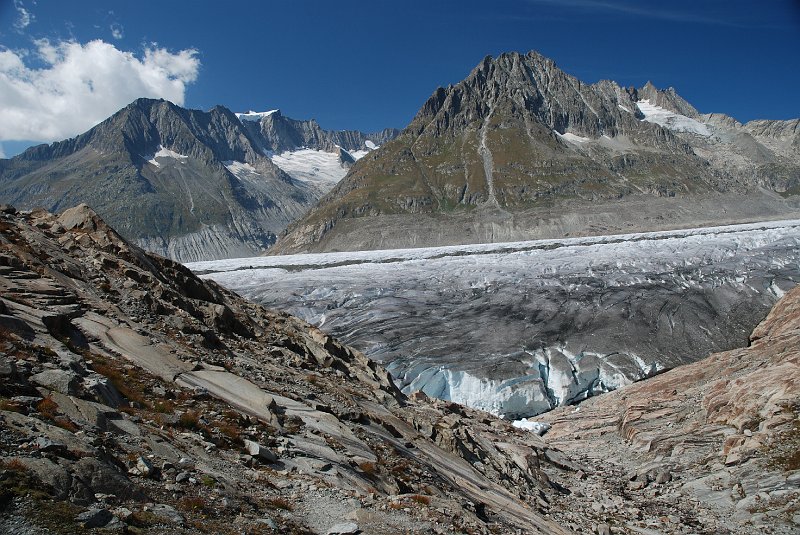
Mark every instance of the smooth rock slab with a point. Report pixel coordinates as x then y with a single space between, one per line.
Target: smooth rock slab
345 528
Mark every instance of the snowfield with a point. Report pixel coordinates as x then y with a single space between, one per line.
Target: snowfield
671 120
519 328
309 165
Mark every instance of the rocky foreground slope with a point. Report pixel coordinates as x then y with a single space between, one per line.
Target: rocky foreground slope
139 398
521 150
136 396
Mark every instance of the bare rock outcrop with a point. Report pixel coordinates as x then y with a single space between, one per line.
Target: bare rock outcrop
722 432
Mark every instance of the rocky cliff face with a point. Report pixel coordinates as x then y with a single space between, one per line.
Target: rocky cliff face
184 183
519 145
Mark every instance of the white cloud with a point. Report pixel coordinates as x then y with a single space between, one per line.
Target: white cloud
82 84
24 17
117 31
2 152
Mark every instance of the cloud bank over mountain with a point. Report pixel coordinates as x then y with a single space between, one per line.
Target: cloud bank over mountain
62 88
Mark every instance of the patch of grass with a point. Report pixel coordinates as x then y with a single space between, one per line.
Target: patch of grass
420 499
48 408
130 383
194 504
143 519
785 453
17 481
164 406
208 481
278 503
368 467
11 406
189 420
231 431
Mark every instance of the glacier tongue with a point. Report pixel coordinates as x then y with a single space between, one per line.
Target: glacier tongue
519 328
554 377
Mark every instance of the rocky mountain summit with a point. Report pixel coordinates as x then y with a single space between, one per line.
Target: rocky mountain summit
186 184
521 150
183 183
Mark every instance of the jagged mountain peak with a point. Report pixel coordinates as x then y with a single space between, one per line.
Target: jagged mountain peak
518 137
668 99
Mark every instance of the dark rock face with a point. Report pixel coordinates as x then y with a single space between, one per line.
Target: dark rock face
520 141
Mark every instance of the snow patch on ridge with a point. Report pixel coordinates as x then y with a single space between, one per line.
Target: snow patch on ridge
254 115
164 153
671 120
240 170
572 138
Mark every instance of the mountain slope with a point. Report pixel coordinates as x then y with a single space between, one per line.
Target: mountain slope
726 428
520 149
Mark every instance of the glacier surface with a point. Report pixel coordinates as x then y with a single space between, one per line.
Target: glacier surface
519 328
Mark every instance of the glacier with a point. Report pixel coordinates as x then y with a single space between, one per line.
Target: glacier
519 328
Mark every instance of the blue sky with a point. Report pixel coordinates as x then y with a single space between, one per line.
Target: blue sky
369 65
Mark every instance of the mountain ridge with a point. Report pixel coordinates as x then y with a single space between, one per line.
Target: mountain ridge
520 135
203 183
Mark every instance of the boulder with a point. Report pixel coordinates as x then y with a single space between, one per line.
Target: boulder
167 512
63 381
260 452
94 518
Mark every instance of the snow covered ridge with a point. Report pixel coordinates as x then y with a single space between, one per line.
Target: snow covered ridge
317 166
520 328
164 153
671 120
255 116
